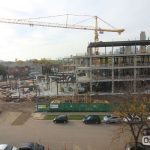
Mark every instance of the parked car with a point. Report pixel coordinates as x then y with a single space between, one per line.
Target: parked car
61 119
7 147
105 118
113 119
146 131
133 119
131 146
92 119
31 146
148 118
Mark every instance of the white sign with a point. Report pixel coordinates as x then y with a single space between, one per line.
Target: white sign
41 106
146 140
54 106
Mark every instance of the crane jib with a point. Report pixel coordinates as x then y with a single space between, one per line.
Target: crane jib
56 25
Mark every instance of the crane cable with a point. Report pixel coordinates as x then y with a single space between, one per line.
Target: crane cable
53 16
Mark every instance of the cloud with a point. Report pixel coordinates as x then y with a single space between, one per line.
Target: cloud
23 42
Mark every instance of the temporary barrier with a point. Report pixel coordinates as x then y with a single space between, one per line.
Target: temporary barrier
74 107
43 107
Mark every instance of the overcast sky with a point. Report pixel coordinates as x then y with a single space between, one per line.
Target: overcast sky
25 42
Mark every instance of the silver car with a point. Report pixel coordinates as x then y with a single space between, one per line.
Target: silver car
113 119
132 119
107 117
7 147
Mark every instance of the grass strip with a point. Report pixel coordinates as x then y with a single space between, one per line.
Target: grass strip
49 117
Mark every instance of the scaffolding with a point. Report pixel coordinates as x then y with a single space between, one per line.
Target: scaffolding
115 67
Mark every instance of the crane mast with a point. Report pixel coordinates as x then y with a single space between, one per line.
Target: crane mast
96 39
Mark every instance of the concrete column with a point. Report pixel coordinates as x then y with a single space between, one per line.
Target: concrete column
90 75
105 50
76 79
135 64
112 72
50 84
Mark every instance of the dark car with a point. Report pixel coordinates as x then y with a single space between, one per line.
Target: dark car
61 119
92 119
31 146
146 131
131 146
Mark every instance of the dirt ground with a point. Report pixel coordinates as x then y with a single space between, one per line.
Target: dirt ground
16 106
15 113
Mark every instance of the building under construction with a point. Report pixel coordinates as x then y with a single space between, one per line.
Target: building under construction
111 68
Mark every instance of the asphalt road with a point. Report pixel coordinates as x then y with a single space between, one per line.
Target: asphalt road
72 136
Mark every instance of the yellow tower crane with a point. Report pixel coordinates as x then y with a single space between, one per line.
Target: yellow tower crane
36 22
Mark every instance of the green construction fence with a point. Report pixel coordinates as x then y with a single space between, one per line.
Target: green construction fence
74 107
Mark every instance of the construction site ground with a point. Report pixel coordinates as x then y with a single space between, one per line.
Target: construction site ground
19 123
15 113
19 113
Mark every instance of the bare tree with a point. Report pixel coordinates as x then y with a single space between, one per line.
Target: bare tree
134 111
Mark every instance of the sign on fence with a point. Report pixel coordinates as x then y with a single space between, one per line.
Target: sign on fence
54 106
42 106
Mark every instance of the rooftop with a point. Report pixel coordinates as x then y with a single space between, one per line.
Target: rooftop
119 43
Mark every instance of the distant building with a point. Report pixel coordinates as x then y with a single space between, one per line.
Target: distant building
18 72
27 67
142 37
